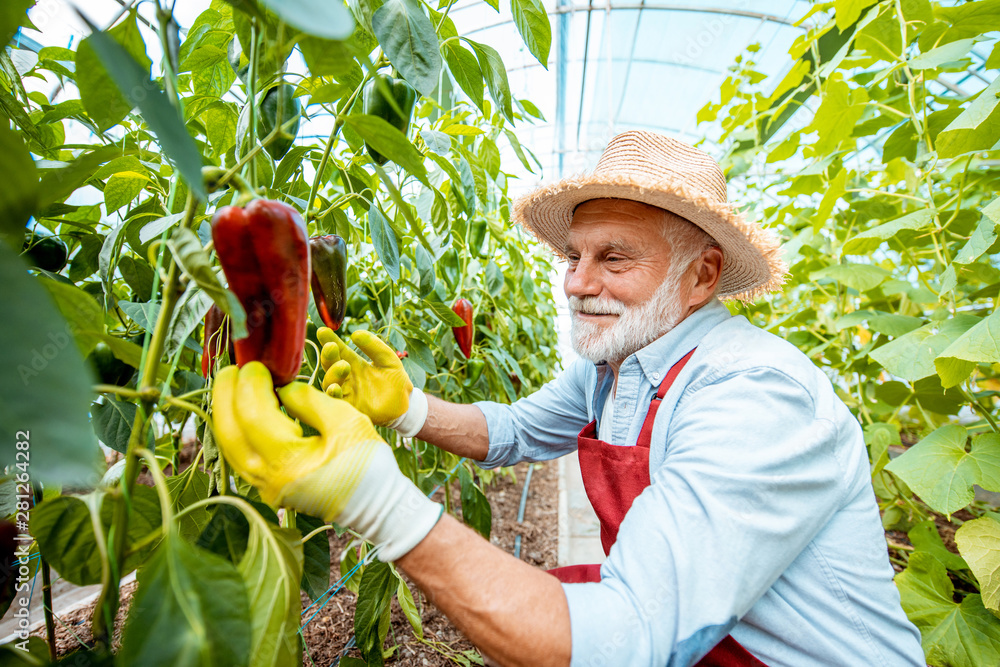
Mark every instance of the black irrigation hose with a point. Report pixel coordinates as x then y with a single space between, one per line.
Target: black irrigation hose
520 511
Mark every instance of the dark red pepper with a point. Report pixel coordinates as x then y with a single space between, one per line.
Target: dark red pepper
264 252
329 277
216 340
463 334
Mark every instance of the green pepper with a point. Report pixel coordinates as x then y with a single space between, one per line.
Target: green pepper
44 250
474 369
377 104
279 108
329 278
109 368
477 237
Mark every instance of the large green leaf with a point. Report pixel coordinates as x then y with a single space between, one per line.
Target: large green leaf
388 141
46 395
912 356
977 129
122 188
847 12
942 54
533 23
836 117
384 240
465 68
102 98
378 583
496 76
982 238
190 609
13 14
862 277
161 116
323 18
19 194
409 40
980 344
942 472
192 257
112 420
956 635
476 510
924 536
272 569
979 542
868 241
316 556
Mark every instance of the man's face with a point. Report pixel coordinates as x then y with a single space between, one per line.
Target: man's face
622 293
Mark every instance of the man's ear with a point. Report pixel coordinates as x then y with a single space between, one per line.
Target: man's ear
707 271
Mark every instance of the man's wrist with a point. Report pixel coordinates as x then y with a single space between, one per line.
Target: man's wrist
410 422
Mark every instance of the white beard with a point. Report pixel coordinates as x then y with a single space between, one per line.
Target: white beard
635 328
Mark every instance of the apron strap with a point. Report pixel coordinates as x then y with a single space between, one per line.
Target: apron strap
647 426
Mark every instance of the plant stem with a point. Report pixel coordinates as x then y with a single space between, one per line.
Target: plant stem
107 603
50 626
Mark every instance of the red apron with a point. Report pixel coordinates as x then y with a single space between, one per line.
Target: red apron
613 477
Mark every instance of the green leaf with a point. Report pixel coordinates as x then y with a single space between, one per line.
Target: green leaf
868 241
912 355
984 236
378 583
444 313
533 23
112 421
942 54
316 557
122 188
836 117
57 184
465 68
847 12
190 312
384 240
425 267
977 129
102 98
138 275
47 392
980 344
272 569
19 195
862 277
388 141
942 473
494 279
157 227
409 608
323 18
189 253
409 40
979 542
85 317
13 15
958 635
924 536
196 598
476 510
161 117
496 76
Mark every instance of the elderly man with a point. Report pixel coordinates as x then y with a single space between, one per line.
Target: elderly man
731 483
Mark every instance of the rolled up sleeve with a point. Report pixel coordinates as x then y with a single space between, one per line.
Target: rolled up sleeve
541 426
751 475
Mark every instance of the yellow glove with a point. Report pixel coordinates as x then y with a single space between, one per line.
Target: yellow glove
380 389
346 474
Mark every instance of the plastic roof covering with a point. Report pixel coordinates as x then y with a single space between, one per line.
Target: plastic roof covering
613 65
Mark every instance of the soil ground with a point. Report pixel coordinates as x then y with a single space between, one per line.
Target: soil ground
327 635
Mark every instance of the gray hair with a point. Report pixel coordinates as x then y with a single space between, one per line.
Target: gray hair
687 242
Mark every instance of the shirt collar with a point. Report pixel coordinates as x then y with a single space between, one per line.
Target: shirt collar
656 358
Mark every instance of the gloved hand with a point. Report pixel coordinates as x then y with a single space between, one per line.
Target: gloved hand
346 474
380 389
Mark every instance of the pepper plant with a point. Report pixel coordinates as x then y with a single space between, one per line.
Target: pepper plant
874 158
219 575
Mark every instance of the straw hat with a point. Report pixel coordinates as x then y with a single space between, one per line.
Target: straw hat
660 171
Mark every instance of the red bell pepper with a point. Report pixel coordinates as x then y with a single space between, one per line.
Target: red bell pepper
264 252
463 334
217 338
329 277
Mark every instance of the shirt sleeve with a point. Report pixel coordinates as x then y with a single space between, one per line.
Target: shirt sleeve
750 477
541 426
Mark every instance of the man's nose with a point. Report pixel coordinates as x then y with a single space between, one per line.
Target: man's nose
582 280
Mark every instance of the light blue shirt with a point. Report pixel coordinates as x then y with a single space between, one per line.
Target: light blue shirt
760 520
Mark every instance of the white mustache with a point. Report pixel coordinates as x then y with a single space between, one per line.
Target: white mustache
593 305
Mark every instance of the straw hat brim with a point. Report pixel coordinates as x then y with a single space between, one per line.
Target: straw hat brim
752 263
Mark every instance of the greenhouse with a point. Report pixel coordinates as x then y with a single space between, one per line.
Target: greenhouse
467 332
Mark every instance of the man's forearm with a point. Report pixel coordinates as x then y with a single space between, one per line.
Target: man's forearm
514 613
460 429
